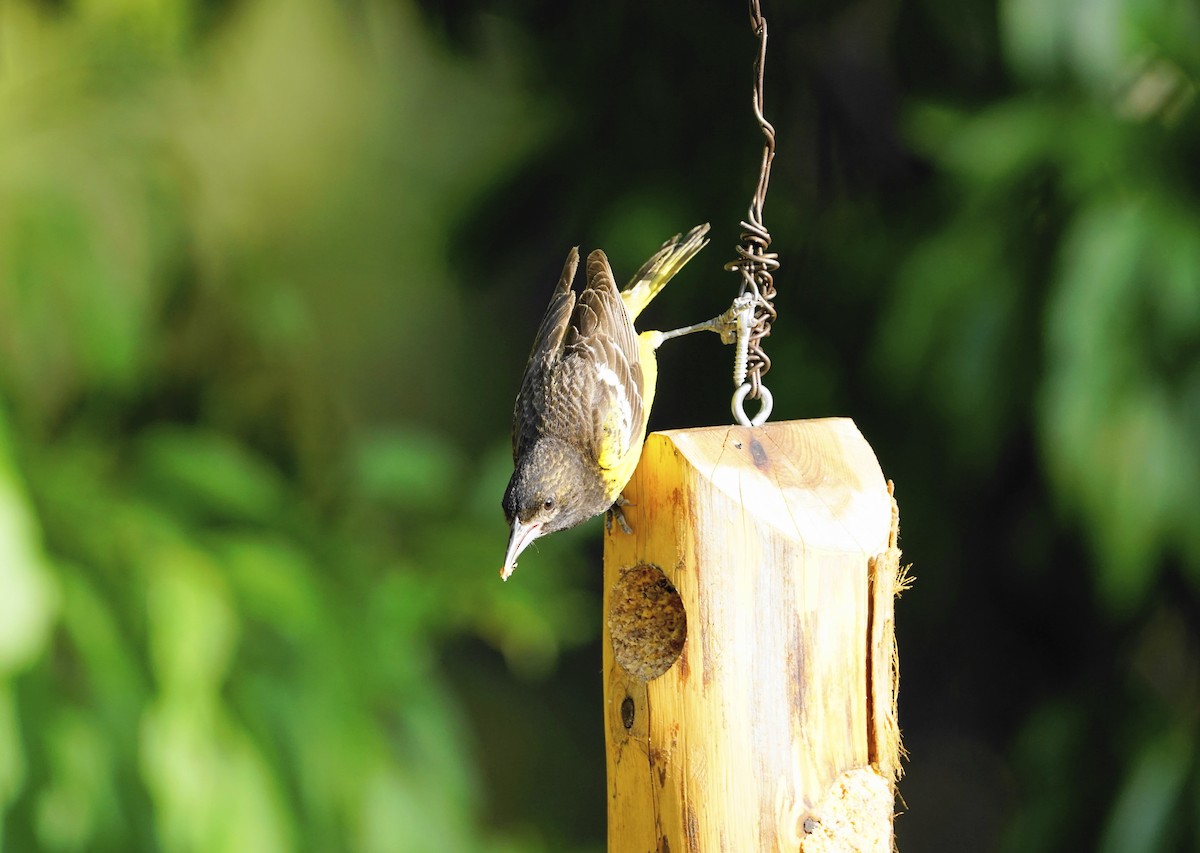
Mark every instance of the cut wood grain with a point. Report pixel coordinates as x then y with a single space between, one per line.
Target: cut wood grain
749 647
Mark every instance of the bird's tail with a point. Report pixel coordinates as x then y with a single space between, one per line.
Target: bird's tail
656 272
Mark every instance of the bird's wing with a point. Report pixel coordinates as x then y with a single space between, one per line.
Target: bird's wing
600 368
547 348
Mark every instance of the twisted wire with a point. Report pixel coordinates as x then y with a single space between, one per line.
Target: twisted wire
755 263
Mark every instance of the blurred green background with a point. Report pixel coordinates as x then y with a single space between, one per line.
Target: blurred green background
269 270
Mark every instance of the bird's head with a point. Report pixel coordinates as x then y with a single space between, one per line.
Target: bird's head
552 488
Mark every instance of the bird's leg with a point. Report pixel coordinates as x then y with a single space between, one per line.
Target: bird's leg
713 325
614 511
725 325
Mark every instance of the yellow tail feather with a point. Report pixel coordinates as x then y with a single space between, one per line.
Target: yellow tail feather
656 272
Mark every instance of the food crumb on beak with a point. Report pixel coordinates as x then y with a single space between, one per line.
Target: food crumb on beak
522 535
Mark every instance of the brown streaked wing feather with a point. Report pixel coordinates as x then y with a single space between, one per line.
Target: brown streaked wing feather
601 361
547 348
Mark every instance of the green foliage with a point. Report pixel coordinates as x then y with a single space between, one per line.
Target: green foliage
268 273
222 589
1105 150
1067 274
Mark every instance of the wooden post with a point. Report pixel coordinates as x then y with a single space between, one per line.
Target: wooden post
749 653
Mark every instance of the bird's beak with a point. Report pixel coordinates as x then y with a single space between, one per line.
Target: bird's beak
522 535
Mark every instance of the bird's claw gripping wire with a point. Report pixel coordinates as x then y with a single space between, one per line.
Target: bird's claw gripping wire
734 326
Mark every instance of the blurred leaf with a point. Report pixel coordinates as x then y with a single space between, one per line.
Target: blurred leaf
1142 818
80 795
1120 439
192 625
211 474
412 471
28 599
529 621
95 632
949 332
12 754
210 786
1001 144
1034 37
274 582
1095 42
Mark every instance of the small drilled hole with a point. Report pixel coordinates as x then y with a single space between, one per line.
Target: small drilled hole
627 712
647 622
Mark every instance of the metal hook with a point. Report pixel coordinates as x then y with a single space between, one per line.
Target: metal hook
738 406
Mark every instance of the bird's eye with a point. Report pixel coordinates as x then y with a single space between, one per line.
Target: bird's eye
548 504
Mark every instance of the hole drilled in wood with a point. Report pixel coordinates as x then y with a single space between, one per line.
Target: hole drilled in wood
646 621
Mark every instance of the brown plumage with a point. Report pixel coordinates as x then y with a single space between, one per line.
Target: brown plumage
580 417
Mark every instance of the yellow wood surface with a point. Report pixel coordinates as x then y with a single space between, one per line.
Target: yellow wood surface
769 535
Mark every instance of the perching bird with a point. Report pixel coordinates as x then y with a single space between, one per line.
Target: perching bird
580 417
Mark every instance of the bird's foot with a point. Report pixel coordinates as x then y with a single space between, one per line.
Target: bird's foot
614 512
729 325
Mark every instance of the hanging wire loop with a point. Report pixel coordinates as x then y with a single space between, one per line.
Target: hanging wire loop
755 263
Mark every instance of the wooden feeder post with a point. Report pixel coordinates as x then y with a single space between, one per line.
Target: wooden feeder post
749 652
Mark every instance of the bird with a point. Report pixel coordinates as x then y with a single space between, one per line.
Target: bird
580 416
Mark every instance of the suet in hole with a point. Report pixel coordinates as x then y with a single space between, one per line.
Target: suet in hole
646 621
